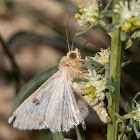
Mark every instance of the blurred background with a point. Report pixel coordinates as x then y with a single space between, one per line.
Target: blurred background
32 41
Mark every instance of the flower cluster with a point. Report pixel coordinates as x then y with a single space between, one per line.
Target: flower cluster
129 15
89 14
102 56
96 85
136 113
133 116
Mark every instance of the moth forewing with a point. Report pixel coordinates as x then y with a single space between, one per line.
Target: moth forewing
27 109
56 104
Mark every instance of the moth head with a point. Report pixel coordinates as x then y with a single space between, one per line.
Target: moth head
73 54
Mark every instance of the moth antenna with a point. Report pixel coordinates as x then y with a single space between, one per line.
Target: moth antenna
86 43
67 33
73 40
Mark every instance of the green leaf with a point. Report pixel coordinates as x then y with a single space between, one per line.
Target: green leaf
127 108
128 44
32 85
87 30
110 87
123 137
120 117
92 64
79 136
107 13
84 67
58 136
47 136
111 27
100 71
109 99
95 63
89 66
97 103
80 80
123 128
108 5
59 42
134 99
126 63
123 36
137 33
136 130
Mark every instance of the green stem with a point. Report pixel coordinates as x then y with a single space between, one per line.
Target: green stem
115 72
103 25
108 4
79 137
87 30
58 136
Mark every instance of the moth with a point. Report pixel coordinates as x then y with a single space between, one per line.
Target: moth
57 104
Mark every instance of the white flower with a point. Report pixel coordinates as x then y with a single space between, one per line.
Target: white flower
135 8
102 56
89 14
129 15
97 83
136 113
123 10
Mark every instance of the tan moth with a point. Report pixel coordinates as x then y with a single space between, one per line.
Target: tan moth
57 104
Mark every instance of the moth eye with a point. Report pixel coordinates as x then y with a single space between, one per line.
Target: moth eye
72 55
